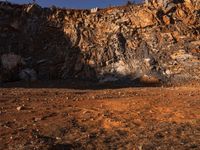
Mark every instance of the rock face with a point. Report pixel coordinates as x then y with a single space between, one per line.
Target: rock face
158 41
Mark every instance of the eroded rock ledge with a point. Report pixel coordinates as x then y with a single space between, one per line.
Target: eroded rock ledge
152 43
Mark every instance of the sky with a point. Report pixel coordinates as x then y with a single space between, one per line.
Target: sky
75 3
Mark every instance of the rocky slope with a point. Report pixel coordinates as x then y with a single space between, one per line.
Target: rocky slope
152 43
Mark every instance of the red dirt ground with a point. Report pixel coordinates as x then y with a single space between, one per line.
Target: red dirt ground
140 118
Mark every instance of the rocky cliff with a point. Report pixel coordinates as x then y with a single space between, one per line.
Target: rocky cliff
152 42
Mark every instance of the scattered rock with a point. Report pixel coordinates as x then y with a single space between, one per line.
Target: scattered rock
37 119
20 108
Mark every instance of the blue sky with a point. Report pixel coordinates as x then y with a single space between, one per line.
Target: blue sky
75 3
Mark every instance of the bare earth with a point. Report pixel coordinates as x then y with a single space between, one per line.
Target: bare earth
141 118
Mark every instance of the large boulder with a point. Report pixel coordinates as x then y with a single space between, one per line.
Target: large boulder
28 75
145 18
34 9
10 66
10 61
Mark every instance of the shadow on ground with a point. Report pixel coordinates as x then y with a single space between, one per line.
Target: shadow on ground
79 84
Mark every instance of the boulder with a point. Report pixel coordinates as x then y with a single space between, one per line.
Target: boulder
145 18
28 75
10 61
34 9
166 19
146 79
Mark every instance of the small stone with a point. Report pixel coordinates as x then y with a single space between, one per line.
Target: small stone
58 138
166 20
168 72
20 108
191 94
37 119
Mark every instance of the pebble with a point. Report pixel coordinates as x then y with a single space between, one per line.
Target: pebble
37 119
58 138
191 94
20 108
